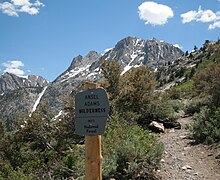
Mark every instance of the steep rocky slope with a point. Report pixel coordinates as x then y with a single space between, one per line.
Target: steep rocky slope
183 68
19 94
10 82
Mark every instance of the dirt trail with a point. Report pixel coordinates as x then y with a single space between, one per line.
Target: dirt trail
184 161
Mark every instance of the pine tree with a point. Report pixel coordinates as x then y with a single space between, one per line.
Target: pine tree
111 71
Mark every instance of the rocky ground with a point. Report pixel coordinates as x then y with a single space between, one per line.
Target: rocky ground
183 160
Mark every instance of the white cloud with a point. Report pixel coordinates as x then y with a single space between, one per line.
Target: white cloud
21 2
214 25
14 67
208 16
204 16
154 13
8 8
13 64
15 7
199 16
38 3
15 71
29 10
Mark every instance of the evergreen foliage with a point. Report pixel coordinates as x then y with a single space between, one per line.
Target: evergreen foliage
39 148
208 82
206 128
129 152
111 72
134 91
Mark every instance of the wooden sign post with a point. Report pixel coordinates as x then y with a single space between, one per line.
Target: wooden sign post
93 144
93 158
91 111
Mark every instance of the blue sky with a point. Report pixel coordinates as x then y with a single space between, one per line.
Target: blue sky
42 36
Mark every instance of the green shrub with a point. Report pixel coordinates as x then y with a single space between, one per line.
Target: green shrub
176 105
196 104
184 90
207 82
127 149
15 174
205 63
41 148
166 109
19 174
206 128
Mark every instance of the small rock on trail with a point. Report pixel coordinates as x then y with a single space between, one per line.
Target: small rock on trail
184 161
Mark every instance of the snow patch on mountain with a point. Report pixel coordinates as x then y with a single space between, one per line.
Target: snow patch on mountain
94 73
108 49
57 116
191 66
25 77
74 72
38 101
129 66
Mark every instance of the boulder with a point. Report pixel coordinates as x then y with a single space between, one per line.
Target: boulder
156 127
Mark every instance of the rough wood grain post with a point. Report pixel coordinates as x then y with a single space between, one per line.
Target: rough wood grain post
93 167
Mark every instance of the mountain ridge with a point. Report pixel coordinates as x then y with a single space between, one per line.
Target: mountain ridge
10 82
128 52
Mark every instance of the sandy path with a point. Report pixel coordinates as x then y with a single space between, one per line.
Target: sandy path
182 160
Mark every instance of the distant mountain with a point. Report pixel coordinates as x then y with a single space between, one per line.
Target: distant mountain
10 82
129 52
18 95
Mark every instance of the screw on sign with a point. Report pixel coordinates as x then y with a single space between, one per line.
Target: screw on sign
91 111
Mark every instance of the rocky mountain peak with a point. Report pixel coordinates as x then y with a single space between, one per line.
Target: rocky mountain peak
128 42
92 55
158 52
76 61
133 52
10 82
78 65
81 61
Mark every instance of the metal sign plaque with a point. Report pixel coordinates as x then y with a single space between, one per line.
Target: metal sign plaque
91 112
